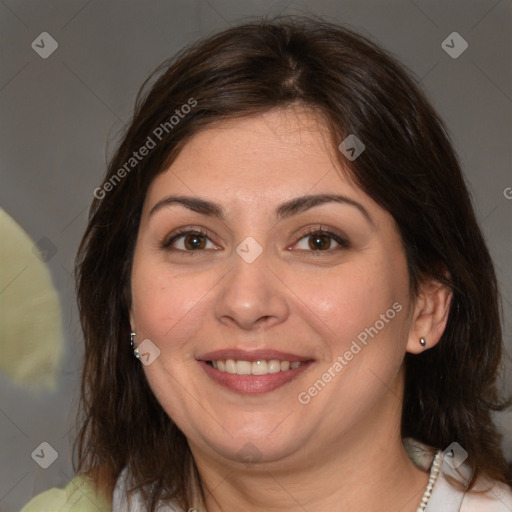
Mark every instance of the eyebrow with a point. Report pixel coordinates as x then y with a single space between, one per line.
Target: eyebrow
283 211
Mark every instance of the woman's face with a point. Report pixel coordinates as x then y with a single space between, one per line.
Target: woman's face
279 276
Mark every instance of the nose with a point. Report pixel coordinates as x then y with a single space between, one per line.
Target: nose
252 295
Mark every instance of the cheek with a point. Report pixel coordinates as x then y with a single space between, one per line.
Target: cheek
364 317
353 298
163 304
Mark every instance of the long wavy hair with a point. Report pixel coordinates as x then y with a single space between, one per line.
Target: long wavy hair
409 168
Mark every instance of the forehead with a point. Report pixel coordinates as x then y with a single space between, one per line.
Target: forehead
279 154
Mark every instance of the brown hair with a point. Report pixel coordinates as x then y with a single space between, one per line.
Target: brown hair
409 168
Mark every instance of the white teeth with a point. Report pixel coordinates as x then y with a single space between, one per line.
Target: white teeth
231 366
243 367
274 366
260 367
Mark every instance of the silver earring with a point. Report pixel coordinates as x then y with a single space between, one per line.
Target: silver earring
423 342
135 350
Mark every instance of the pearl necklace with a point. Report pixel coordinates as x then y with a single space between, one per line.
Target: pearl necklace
434 473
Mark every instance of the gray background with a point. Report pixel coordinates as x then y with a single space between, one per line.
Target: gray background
58 113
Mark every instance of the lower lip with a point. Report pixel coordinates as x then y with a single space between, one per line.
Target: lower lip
254 383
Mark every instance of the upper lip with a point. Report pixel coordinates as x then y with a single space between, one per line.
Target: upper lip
251 355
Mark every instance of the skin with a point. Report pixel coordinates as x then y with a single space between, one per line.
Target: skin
342 450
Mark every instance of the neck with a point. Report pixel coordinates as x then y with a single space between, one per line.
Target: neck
365 470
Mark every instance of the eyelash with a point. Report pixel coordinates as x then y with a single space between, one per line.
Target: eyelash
343 243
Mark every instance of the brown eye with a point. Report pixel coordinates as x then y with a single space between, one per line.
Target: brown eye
188 241
193 241
319 240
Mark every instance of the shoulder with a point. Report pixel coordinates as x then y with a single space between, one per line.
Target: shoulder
451 473
78 496
488 496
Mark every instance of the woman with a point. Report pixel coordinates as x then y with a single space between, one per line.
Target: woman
285 239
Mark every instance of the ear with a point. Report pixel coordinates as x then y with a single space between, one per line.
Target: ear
430 315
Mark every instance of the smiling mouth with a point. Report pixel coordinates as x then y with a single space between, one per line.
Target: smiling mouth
259 367
253 371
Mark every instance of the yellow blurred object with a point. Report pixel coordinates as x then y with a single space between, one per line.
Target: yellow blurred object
31 338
